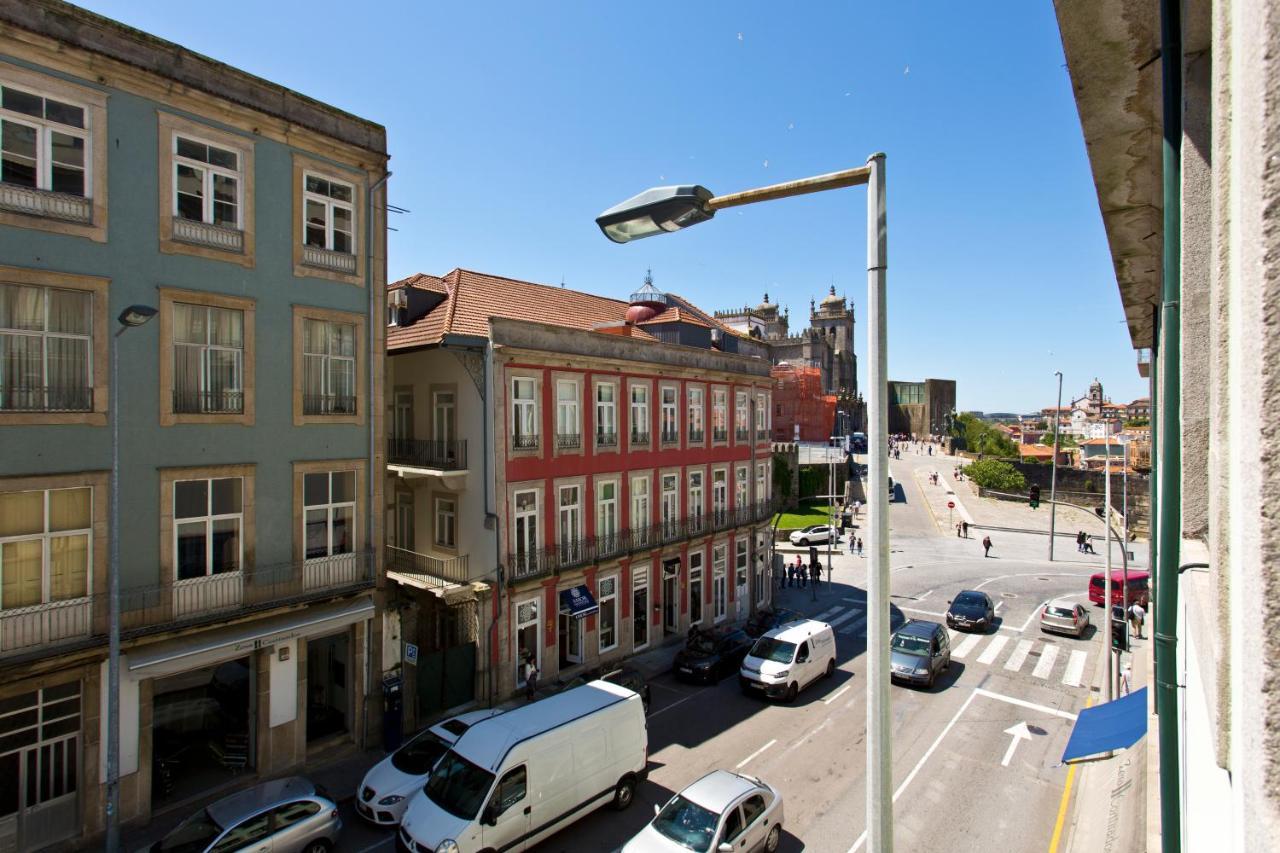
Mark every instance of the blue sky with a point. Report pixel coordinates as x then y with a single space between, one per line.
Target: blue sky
511 125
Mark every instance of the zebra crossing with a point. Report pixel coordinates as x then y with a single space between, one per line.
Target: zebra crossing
851 620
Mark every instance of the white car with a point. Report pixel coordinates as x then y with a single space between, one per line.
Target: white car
722 811
391 783
813 534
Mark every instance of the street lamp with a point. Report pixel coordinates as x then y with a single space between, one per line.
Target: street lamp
1053 481
131 317
667 209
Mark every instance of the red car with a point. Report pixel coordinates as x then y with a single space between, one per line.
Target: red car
1139 588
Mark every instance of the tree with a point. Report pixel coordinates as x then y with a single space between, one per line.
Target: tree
1138 422
996 475
1064 440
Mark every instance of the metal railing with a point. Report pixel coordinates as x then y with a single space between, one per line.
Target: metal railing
207 234
741 434
440 455
208 402
568 440
696 434
719 435
524 441
641 438
45 398
446 569
670 436
328 404
315 256
606 439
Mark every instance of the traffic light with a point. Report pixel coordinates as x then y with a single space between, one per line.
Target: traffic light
1120 634
1035 497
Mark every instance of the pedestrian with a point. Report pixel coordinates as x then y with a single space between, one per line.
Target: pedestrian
986 546
817 573
852 543
1080 541
791 576
1137 615
957 530
797 568
1088 544
530 677
965 526
802 576
859 546
857 509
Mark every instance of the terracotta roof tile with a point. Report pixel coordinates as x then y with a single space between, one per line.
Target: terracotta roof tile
675 315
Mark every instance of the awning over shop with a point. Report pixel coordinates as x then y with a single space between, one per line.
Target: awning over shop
578 602
1115 725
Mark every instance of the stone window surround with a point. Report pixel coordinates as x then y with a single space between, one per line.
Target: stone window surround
679 420
728 415
246 305
99 287
616 478
99 482
309 312
615 381
689 471
445 494
649 406
630 477
171 125
95 104
558 376
303 163
324 466
246 473
433 389
540 488
686 421
508 396
586 506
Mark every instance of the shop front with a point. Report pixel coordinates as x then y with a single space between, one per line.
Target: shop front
202 732
40 766
576 604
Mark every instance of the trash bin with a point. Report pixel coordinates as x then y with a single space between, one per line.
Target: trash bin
392 712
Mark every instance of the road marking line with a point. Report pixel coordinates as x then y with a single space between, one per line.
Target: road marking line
744 762
993 648
1023 703
966 646
1066 798
1075 668
952 633
824 614
1019 655
845 618
925 612
926 595
674 704
999 604
837 694
854 600
1047 657
1034 614
854 627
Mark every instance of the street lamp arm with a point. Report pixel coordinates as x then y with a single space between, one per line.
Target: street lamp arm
803 186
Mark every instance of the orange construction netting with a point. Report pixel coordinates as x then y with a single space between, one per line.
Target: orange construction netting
798 399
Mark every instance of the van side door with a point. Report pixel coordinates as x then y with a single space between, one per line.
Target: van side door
804 663
504 822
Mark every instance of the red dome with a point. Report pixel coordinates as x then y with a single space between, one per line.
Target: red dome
640 312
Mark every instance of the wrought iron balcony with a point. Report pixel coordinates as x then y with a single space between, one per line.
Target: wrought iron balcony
568 440
719 435
741 434
640 438
524 441
442 569
208 402
45 398
328 404
439 455
696 435
606 439
670 436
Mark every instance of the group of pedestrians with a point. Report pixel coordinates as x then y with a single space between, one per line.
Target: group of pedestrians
962 529
1084 543
798 574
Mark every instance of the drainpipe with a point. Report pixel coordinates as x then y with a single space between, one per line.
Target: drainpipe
1170 443
373 437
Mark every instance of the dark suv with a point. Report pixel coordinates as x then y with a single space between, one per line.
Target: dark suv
623 677
918 651
971 611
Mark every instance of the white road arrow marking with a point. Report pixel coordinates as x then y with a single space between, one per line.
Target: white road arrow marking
1018 734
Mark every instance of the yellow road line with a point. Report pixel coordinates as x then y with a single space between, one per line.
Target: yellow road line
1066 798
937 524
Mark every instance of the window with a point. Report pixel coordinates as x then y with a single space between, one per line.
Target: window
670 506
719 415
245 834
44 143
328 218
762 588
607 517
695 587
45 546
640 607
719 596
608 601
740 420
525 546
606 415
719 496
206 182
568 435
528 629
740 558
46 349
695 501
670 420
570 531
41 743
732 826
442 418
524 413
741 483
287 815
762 412
752 808
208 359
639 414
762 491
329 368
511 790
640 517
446 523
696 412
329 500
207 523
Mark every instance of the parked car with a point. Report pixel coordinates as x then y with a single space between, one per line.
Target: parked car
812 535
709 655
622 676
387 787
721 811
1063 616
1139 588
918 651
766 620
284 816
893 490
788 659
971 610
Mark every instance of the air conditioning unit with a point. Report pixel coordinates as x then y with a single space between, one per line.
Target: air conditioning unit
397 307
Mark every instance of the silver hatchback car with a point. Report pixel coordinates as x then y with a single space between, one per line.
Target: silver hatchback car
1064 616
284 816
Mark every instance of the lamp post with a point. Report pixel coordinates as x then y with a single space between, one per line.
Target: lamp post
668 209
1053 480
134 315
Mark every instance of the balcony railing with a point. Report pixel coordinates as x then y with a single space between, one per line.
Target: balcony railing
43 398
606 439
670 436
54 627
524 441
440 455
208 402
741 434
696 435
568 440
328 404
640 438
314 256
206 234
444 569
64 206
719 435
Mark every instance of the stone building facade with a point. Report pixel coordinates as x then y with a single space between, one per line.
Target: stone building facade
921 408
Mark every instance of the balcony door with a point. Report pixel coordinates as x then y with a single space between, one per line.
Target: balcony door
443 423
402 535
402 421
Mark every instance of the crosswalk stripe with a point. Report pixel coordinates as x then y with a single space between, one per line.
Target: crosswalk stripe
993 648
1047 657
1019 655
1075 668
854 627
952 633
845 618
824 614
966 646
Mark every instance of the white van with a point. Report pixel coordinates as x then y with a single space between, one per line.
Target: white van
788 659
512 780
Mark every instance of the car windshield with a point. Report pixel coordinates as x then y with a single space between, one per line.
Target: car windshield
773 650
703 643
687 824
1060 611
910 644
970 599
193 835
419 755
458 786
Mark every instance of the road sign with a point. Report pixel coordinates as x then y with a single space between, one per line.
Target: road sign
1018 733
951 504
411 653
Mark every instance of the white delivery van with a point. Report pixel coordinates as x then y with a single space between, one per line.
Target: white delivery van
788 659
512 780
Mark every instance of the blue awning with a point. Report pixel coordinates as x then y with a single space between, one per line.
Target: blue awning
1115 725
578 602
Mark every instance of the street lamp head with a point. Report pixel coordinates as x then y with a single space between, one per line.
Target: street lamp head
654 211
136 315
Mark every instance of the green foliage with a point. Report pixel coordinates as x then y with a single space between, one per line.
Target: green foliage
810 512
1064 440
980 437
813 480
781 477
1138 422
996 475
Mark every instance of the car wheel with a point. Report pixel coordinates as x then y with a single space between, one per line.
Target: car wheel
319 846
792 690
624 793
803 542
775 835
831 668
932 677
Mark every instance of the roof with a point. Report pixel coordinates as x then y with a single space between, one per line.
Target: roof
1100 441
675 315
1034 450
919 628
1141 401
487 742
236 806
717 789
798 631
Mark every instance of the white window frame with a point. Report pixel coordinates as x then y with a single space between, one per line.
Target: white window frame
639 581
46 537
762 483
741 561
697 578
762 414
329 203
741 415
641 512
569 538
607 515
697 506
444 410
762 583
640 410
327 358
45 336
536 622
719 412
330 506
209 518
607 410
669 423
719 590
45 128
719 495
568 410
524 522
206 348
697 413
208 171
741 486
670 501
444 520
524 410
608 600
